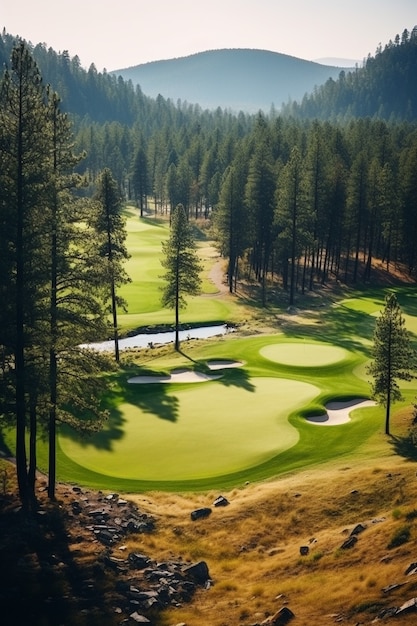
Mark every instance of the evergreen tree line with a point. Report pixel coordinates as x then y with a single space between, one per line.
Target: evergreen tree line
61 258
354 188
384 88
306 201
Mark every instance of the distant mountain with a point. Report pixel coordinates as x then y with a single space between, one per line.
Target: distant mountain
345 63
235 79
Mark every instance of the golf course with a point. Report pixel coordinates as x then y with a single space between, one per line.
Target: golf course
285 391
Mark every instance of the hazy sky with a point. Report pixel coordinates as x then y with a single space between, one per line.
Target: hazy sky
115 34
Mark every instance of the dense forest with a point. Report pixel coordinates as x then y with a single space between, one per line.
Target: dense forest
385 87
312 197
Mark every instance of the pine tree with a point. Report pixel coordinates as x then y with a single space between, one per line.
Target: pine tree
182 266
75 295
231 218
393 355
260 200
51 275
290 216
24 155
140 178
110 224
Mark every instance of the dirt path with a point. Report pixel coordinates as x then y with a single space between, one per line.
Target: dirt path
218 276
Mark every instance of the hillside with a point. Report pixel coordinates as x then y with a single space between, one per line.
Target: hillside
235 79
73 573
385 87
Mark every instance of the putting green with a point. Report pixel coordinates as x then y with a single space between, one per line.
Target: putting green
303 354
218 431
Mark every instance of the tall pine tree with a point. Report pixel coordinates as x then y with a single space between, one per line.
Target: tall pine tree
394 358
182 276
110 226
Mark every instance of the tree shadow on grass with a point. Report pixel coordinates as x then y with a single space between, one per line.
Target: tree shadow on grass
405 447
340 326
229 376
152 399
156 399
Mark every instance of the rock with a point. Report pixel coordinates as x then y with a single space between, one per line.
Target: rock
138 561
387 613
221 501
349 543
407 607
139 619
198 571
200 513
359 528
282 617
392 587
411 569
304 550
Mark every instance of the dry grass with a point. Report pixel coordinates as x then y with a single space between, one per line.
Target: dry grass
252 546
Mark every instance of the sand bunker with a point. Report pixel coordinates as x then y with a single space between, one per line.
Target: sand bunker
220 365
338 412
186 376
180 376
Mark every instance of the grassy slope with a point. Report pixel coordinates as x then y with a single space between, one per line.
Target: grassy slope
252 547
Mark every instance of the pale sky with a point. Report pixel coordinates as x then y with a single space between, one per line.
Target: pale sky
115 34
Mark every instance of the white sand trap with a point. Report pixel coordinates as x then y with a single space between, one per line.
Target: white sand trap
177 376
338 412
220 365
186 376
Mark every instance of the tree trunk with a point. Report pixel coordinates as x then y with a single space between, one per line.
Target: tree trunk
387 414
115 329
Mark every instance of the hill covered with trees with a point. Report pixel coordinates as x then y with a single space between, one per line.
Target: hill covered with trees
235 79
385 87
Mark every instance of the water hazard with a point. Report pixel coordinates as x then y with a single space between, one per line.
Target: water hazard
145 340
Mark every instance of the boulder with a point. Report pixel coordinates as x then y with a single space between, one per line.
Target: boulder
359 528
407 607
349 543
281 618
221 501
198 571
200 513
138 561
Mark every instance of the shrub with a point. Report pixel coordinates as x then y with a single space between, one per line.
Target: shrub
401 535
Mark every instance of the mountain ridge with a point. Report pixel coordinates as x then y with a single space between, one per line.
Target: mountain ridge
248 79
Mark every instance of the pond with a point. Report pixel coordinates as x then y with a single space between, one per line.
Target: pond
146 340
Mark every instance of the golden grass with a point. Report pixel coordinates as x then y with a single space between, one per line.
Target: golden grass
252 546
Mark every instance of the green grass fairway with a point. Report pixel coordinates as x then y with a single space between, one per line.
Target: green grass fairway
303 354
250 424
143 293
219 430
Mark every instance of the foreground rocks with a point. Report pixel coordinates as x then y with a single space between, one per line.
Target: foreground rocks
72 562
